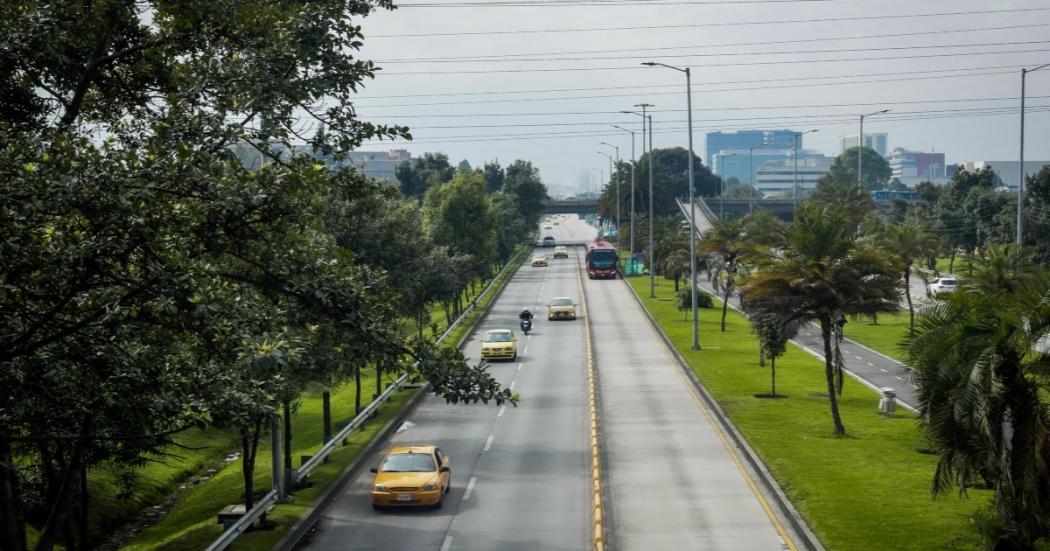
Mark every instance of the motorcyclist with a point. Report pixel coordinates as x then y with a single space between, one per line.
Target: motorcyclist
525 315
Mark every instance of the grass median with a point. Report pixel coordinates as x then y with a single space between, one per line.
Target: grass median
867 491
192 524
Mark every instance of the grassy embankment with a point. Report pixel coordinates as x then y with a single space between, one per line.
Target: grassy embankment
870 490
192 524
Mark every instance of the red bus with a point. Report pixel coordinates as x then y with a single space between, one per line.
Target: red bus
601 260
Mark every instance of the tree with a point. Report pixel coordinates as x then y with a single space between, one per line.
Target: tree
876 171
459 216
907 243
1037 215
464 166
670 180
494 176
774 331
728 240
843 194
982 400
417 176
523 181
820 273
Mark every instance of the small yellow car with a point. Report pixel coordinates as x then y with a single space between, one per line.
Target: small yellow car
499 344
539 261
561 252
412 476
561 308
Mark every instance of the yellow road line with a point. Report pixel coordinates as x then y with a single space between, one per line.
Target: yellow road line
598 511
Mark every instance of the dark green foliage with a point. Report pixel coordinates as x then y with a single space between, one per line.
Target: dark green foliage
876 170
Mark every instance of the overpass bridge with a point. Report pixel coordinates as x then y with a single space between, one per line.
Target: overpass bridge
570 206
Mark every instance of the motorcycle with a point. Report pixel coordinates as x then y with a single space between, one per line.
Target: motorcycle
526 326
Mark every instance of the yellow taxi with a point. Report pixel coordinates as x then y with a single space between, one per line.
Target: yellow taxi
561 252
561 308
539 261
499 344
411 476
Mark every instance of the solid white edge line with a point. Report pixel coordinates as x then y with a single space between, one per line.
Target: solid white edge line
488 444
512 383
502 409
447 544
470 487
519 366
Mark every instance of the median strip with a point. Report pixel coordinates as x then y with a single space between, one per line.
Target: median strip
598 516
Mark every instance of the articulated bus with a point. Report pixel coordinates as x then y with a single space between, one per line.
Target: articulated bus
601 260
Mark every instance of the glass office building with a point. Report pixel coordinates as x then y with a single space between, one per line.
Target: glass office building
743 140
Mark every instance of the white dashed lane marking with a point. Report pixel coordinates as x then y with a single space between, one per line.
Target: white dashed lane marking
470 488
502 410
488 444
447 544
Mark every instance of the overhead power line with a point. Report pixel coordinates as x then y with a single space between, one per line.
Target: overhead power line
715 24
709 65
603 3
490 59
679 86
698 109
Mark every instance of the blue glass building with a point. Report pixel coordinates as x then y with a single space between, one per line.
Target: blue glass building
722 145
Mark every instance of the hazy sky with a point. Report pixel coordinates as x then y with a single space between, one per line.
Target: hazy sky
740 79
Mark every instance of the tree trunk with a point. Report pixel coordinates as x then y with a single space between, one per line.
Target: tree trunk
57 516
326 415
728 286
379 380
951 262
249 447
12 529
287 435
83 510
907 295
1016 493
773 375
829 375
357 391
676 278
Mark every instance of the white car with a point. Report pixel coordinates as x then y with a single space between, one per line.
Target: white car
547 227
943 285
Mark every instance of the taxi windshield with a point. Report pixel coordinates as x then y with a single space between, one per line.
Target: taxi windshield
561 302
502 336
408 463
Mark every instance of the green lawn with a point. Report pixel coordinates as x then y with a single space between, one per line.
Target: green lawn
868 491
192 525
883 337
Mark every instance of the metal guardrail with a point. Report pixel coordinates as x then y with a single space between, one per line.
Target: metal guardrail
267 501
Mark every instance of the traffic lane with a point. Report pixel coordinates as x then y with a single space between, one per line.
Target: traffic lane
460 430
671 482
531 483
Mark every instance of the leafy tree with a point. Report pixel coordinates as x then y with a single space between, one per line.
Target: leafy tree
494 176
459 216
1037 215
523 181
876 170
670 180
417 176
464 166
843 194
907 243
728 240
982 399
511 228
820 273
774 331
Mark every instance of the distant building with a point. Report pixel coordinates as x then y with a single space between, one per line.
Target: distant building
743 164
777 178
743 140
875 140
1007 171
914 167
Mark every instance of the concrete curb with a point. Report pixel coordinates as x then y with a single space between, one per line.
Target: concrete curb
301 530
787 511
599 515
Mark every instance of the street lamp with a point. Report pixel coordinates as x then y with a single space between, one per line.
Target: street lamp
721 181
1020 168
652 248
631 132
610 157
795 137
692 207
611 172
860 147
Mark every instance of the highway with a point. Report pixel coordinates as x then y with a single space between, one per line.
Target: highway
519 475
671 480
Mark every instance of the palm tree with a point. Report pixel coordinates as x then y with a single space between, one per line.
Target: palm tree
981 402
820 273
728 240
907 243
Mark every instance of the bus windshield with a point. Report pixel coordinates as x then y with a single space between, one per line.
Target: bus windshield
602 259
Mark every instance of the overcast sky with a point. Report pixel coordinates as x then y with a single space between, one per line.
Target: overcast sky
735 87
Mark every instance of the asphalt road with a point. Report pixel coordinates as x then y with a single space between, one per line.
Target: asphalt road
520 476
671 480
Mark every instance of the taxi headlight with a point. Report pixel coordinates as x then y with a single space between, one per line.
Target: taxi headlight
379 488
430 486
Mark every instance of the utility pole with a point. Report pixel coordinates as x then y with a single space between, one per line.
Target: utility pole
644 106
611 172
631 132
1020 167
795 138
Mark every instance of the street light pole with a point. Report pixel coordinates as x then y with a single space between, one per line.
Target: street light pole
795 137
692 202
645 106
606 155
860 147
611 172
721 182
631 132
751 179
1020 167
